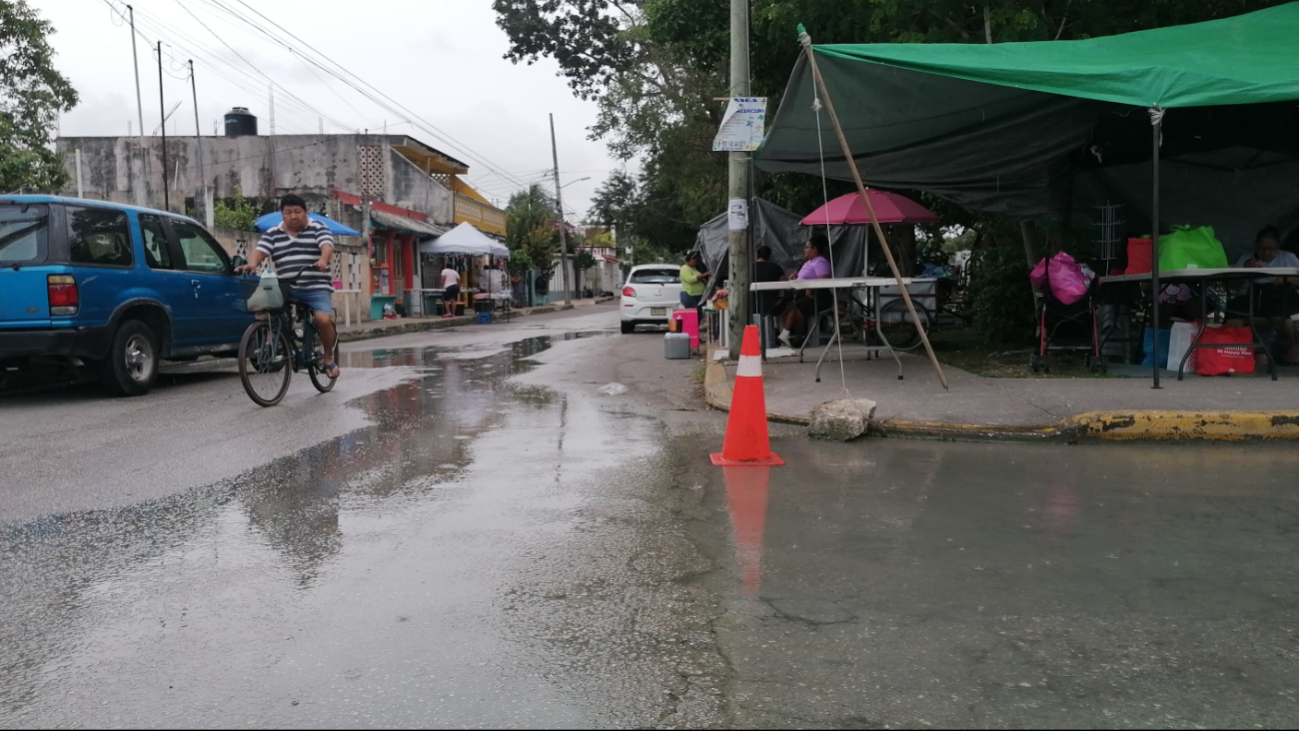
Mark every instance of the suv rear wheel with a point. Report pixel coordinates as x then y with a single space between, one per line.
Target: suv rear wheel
132 362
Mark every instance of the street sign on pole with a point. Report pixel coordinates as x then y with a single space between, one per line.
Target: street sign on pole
742 126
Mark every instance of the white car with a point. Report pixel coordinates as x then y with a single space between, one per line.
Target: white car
652 292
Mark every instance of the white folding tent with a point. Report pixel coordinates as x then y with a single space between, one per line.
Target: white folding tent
465 240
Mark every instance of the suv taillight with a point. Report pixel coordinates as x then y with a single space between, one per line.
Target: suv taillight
64 298
628 292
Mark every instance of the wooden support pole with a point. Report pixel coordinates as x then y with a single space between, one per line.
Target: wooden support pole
806 41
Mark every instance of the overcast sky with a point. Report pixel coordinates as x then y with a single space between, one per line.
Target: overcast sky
439 58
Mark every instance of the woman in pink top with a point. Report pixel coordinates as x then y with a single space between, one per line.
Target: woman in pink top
817 266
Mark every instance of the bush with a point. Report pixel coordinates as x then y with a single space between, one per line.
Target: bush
1001 297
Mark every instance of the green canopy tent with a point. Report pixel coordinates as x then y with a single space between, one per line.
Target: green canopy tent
1033 130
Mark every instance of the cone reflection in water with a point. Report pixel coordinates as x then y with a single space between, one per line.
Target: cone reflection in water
747 441
746 497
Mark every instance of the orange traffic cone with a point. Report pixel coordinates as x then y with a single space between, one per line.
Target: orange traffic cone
747 441
746 496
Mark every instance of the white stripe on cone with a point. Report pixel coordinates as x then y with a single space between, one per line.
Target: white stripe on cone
750 367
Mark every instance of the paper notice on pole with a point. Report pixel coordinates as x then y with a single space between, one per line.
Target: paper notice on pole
737 216
742 126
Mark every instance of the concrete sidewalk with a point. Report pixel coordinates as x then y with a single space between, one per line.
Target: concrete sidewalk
384 328
1236 408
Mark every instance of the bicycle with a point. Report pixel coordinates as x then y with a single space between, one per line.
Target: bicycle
277 345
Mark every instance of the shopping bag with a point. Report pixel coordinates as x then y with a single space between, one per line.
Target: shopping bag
1233 357
1179 341
265 295
1191 248
1148 345
1038 276
1139 256
1069 280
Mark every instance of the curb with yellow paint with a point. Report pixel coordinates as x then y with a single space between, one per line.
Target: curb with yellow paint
1227 426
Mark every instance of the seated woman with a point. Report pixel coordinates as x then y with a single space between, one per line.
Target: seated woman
817 266
1275 298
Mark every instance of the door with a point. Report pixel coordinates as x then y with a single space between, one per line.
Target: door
173 287
24 250
216 294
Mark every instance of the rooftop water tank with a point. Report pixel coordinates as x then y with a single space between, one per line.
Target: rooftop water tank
240 123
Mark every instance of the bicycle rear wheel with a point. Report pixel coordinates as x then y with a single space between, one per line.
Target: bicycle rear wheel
899 328
265 363
322 382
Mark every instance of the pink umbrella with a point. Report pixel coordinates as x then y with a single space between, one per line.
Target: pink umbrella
889 207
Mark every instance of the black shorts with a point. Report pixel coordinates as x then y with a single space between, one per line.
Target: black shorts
809 305
452 292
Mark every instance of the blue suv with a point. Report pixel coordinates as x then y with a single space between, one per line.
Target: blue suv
114 286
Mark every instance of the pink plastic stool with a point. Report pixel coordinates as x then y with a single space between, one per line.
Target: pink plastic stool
689 324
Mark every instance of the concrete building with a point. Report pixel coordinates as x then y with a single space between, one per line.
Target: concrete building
417 192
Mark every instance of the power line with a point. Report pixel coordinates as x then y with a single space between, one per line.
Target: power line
162 29
423 124
245 60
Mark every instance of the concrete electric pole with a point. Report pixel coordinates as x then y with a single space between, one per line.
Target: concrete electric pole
141 192
559 202
738 299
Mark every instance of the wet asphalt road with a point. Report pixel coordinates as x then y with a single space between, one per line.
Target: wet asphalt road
480 539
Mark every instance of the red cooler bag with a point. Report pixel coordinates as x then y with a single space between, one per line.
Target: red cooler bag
1225 360
1140 256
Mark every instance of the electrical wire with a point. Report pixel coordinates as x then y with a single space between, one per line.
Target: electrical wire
417 120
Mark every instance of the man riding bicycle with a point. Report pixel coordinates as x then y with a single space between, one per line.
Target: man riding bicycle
301 250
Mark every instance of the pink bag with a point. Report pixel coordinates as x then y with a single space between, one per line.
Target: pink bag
1069 283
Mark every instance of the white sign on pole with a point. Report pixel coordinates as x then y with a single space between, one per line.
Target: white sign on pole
737 217
742 126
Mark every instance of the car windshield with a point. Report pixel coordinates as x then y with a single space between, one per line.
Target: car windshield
23 230
656 276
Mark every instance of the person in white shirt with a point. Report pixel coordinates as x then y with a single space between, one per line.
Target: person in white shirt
451 293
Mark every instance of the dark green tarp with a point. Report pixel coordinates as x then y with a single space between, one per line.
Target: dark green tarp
1045 130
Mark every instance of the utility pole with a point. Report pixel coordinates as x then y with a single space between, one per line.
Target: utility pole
559 201
162 125
738 236
140 182
198 131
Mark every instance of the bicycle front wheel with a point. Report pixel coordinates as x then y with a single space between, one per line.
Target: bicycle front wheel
899 328
315 368
265 363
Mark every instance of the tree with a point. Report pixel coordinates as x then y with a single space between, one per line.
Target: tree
238 213
32 95
530 232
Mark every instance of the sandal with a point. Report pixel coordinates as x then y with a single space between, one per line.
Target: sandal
330 371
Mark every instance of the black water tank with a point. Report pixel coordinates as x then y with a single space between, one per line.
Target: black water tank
240 123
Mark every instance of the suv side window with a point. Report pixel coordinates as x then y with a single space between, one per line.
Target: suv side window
202 252
156 252
99 236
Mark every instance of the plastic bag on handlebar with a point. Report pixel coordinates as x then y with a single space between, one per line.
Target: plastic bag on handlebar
266 295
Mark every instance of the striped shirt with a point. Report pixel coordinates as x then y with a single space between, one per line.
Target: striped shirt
294 255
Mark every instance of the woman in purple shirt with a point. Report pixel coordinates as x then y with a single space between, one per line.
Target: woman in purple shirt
817 266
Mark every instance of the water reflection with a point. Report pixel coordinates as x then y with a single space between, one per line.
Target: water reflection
56 573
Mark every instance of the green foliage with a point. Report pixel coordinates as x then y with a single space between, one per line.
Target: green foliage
237 213
582 260
32 94
1001 296
530 231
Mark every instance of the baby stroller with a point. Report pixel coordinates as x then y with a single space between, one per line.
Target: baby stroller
1066 313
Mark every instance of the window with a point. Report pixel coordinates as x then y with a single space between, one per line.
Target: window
156 252
99 236
656 276
202 252
24 230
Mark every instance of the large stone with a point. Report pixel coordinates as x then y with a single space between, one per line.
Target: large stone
841 420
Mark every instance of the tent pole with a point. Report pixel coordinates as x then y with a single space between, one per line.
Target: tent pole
1156 126
806 41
